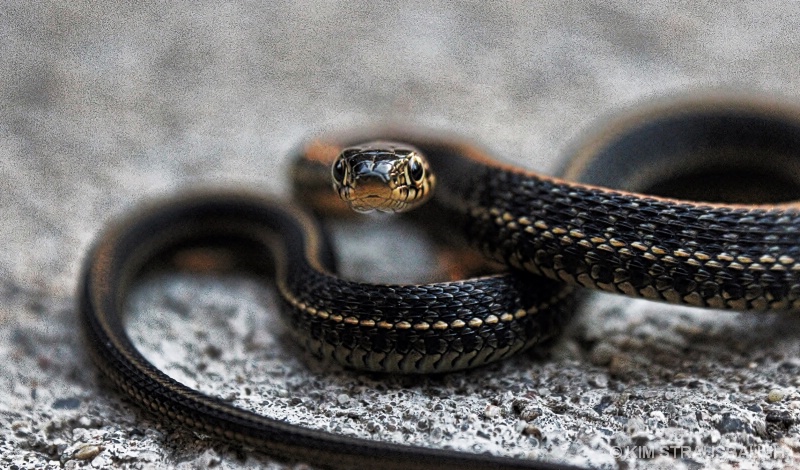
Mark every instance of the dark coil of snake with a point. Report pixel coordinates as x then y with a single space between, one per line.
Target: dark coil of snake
551 233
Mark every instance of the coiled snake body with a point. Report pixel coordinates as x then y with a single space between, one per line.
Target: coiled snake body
552 233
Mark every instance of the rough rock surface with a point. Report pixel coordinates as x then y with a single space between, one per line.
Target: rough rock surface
108 105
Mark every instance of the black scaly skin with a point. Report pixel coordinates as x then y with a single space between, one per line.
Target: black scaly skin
748 258
425 351
251 224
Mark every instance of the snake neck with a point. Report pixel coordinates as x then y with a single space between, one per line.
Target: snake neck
710 256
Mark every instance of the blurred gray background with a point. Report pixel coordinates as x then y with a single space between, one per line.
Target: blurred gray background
105 105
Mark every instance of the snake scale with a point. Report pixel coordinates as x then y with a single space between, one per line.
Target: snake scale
551 233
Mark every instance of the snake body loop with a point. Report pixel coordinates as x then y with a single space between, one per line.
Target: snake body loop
552 234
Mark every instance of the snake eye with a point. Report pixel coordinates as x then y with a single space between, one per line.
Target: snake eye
415 169
338 171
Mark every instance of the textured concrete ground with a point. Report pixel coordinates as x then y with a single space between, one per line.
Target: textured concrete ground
107 105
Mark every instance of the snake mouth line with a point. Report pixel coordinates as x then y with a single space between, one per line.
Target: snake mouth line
372 203
371 199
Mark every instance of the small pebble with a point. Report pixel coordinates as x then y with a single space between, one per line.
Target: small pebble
343 399
533 431
775 395
730 423
530 413
491 411
599 381
88 452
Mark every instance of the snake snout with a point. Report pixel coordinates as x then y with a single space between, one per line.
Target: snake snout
369 193
370 186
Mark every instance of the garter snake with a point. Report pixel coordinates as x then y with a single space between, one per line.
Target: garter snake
550 232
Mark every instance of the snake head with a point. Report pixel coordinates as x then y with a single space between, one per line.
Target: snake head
383 176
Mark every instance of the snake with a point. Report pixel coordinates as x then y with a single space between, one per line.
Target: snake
630 214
